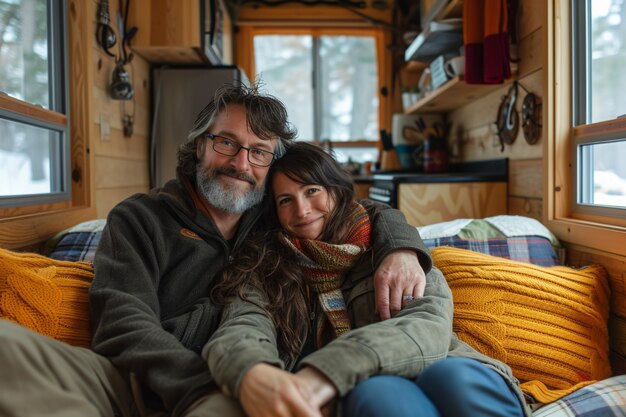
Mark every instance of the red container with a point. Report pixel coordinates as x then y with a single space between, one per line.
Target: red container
435 155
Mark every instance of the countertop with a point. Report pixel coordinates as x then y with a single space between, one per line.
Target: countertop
480 171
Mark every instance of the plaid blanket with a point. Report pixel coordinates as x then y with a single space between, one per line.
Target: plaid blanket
532 249
606 398
79 246
77 243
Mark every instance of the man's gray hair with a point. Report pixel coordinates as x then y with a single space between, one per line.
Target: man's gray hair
266 117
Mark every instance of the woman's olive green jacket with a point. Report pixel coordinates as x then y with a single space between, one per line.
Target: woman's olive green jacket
404 345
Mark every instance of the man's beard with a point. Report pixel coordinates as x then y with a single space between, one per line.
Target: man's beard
225 197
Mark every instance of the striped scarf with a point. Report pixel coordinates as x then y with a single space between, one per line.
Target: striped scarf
324 266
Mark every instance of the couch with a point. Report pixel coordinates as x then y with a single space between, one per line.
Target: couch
513 300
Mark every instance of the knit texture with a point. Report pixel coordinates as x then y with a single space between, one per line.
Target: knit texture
325 265
47 296
549 324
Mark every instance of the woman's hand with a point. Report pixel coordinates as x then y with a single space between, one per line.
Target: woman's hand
316 387
399 274
267 391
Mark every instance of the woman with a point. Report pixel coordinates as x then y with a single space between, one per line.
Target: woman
302 297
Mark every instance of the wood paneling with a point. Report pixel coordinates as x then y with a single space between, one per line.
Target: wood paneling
525 206
474 136
530 51
424 204
175 56
119 146
526 188
532 15
30 231
453 94
297 15
526 178
80 30
616 268
121 165
6 214
26 109
113 110
120 173
169 30
107 198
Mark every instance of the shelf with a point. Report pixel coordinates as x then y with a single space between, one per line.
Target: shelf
432 41
443 9
415 66
453 94
453 9
429 45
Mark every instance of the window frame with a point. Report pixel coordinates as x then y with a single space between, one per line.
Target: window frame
249 31
55 119
593 230
584 132
26 227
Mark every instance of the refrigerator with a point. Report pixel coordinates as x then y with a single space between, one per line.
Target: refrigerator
179 94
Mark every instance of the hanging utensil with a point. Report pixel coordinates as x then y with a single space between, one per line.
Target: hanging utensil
507 119
105 35
531 118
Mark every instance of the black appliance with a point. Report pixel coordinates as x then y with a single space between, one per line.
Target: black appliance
179 95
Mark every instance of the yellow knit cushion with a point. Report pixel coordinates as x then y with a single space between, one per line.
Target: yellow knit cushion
46 295
549 324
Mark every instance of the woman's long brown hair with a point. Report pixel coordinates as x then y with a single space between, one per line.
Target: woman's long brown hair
262 262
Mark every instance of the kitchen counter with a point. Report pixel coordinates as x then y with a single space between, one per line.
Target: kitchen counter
489 171
471 189
439 178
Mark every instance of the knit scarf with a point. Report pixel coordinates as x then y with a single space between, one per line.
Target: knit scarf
324 266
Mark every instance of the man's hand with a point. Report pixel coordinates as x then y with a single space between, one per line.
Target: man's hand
267 391
399 274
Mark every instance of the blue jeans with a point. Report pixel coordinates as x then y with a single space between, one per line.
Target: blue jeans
453 387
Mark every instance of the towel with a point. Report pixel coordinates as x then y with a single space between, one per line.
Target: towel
486 40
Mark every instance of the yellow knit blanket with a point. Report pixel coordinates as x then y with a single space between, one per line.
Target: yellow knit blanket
46 295
549 324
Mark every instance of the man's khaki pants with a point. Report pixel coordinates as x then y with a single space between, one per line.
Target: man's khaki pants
44 377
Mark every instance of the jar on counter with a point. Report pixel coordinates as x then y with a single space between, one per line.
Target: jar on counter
435 154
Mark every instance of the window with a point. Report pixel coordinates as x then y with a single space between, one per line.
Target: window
599 113
34 140
328 81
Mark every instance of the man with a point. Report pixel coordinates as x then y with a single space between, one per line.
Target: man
155 267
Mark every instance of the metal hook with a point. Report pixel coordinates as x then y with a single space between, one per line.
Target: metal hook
104 33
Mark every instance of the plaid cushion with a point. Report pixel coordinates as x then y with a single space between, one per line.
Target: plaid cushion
532 249
80 246
606 398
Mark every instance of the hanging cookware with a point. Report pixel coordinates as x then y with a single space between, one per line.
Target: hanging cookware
507 120
531 118
105 35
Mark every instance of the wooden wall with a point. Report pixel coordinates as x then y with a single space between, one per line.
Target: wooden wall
121 165
473 134
616 269
106 166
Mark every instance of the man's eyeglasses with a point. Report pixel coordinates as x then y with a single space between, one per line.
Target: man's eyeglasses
230 147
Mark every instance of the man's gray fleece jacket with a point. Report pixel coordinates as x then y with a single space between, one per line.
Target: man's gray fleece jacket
154 269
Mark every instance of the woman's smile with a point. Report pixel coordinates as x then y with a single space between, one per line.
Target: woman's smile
302 209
